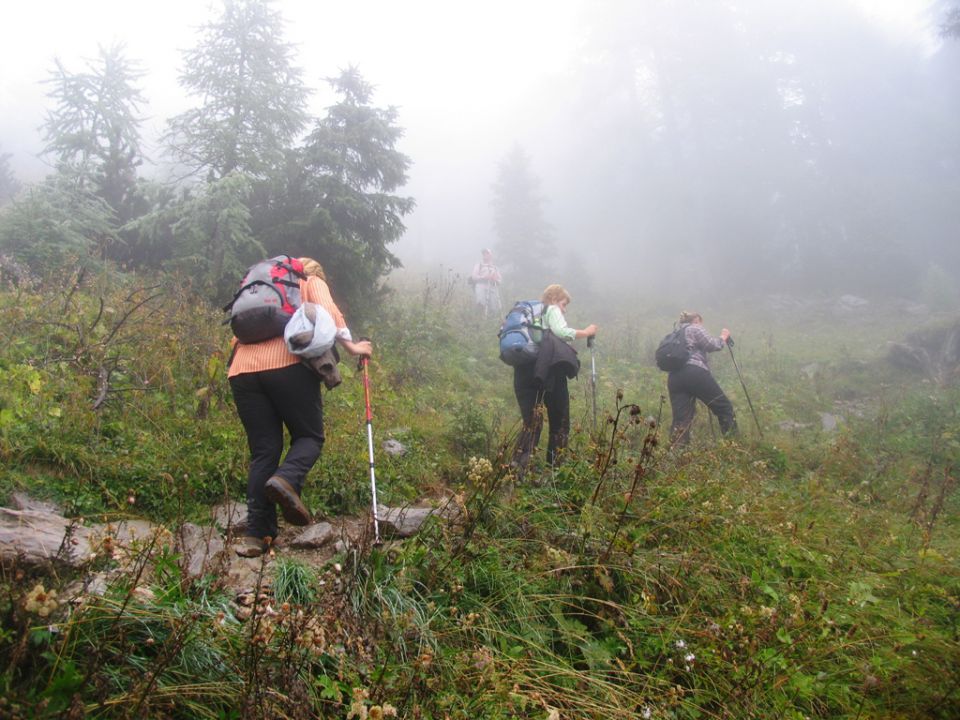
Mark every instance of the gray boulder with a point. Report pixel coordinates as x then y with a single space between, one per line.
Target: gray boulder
402 522
851 303
315 536
201 549
22 501
830 422
931 351
230 515
37 537
394 448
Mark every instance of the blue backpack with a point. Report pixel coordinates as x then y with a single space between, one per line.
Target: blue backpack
521 333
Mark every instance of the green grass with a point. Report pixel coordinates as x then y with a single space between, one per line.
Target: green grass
802 574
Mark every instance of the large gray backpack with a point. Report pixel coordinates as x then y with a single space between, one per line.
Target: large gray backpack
269 294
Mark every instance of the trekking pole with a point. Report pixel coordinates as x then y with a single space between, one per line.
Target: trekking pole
363 362
593 379
745 393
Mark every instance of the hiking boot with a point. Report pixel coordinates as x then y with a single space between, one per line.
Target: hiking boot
521 458
279 491
250 547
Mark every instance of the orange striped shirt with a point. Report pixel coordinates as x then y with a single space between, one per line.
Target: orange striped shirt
272 354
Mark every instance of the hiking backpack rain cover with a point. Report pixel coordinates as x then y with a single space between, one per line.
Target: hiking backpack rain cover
269 294
521 333
672 352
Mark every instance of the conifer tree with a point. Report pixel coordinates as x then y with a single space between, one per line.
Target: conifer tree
93 131
337 200
213 241
525 239
9 185
56 222
252 95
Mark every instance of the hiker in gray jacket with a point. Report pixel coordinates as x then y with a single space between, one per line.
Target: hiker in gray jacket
694 381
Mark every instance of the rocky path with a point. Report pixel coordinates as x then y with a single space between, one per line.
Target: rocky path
35 533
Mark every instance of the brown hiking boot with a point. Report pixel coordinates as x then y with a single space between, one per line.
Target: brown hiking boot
282 493
250 547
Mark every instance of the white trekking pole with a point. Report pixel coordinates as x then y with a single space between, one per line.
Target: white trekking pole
593 379
363 362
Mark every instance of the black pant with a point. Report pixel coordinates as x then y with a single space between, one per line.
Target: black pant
686 386
557 401
266 401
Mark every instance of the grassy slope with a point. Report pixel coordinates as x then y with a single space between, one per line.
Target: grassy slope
806 574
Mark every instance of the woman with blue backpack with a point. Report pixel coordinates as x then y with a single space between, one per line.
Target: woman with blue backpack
545 379
273 389
693 381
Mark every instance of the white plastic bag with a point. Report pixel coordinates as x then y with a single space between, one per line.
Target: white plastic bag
310 332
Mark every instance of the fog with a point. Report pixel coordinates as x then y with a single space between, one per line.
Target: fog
758 145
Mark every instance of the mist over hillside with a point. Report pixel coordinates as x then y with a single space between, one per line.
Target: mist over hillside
722 149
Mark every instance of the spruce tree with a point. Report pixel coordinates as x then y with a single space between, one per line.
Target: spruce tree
525 239
93 130
252 95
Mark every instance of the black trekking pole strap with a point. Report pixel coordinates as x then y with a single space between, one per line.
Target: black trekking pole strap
736 367
362 359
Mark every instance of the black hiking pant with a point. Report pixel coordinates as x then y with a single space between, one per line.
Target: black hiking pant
266 402
686 386
557 402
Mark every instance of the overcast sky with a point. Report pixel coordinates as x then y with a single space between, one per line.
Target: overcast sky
455 70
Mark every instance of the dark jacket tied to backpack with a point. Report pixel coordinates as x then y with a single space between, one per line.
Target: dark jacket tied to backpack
555 359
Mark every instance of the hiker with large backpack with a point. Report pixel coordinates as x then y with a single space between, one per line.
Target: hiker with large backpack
544 379
684 354
272 388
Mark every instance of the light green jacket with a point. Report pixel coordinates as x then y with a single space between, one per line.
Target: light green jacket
554 321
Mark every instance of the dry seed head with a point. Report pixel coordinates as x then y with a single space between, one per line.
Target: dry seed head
41 601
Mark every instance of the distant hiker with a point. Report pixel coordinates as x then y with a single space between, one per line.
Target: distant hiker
272 388
545 380
485 279
694 381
